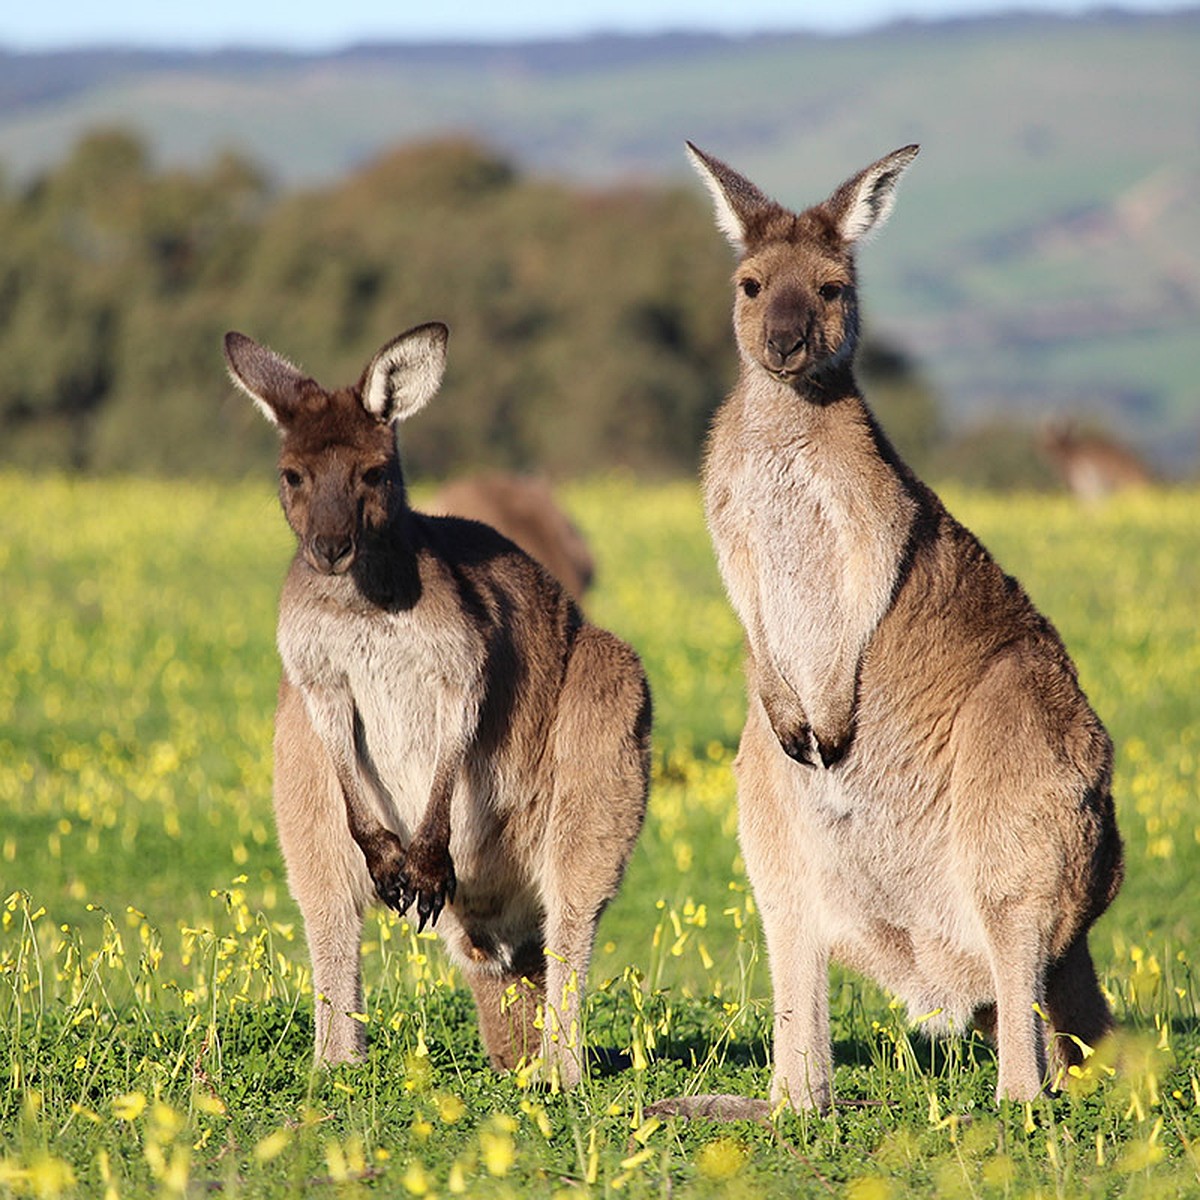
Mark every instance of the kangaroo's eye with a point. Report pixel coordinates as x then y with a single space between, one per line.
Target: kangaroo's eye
374 476
290 477
750 287
831 291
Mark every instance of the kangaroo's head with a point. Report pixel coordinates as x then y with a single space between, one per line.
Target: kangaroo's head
795 311
339 470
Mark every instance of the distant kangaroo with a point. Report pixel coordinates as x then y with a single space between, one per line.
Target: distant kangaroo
1091 465
523 508
450 731
924 792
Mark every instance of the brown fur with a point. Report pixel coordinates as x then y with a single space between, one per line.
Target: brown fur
525 511
924 791
450 733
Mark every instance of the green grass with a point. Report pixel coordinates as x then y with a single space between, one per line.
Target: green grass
155 1002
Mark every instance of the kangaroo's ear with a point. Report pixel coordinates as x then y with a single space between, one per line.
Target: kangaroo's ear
862 204
267 378
736 200
405 375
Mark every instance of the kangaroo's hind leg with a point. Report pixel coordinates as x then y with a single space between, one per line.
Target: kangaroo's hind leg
601 779
1013 828
509 1007
326 874
1076 1005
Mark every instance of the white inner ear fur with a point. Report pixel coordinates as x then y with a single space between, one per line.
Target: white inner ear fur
406 374
875 196
728 221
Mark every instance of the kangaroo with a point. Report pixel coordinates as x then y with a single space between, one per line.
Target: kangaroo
924 792
450 731
524 510
1091 465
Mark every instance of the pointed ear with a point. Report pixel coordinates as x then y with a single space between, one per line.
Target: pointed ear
266 377
862 204
405 375
736 200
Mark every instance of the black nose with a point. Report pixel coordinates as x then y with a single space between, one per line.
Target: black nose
332 552
782 344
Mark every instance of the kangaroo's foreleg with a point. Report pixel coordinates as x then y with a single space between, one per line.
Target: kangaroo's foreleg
326 875
781 704
428 875
335 719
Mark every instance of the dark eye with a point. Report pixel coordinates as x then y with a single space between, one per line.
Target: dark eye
290 477
751 288
831 291
374 476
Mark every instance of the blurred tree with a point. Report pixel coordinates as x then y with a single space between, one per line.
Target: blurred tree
998 454
903 400
590 329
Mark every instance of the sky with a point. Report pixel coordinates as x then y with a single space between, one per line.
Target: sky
330 24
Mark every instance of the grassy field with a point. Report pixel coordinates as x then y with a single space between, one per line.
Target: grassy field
155 1002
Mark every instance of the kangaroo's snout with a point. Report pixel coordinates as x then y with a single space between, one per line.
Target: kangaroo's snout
782 344
331 554
787 331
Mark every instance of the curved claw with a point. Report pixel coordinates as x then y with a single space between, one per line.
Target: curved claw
429 908
833 752
430 904
431 886
398 895
797 746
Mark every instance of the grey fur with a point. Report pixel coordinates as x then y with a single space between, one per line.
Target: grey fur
924 791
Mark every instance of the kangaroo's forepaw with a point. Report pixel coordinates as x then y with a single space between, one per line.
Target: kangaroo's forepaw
429 879
833 749
797 744
386 858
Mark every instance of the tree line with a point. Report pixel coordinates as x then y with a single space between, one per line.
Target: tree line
590 328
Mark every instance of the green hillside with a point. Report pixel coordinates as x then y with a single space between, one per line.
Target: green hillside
1045 253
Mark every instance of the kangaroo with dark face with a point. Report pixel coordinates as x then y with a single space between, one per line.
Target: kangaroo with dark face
924 792
450 733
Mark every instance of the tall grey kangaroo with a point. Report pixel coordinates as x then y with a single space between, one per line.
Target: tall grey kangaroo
450 731
924 792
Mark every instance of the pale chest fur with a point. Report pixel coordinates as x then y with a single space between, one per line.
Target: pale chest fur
410 686
809 527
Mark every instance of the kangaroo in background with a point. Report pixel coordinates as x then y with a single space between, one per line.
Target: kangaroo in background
450 731
924 792
1091 465
524 510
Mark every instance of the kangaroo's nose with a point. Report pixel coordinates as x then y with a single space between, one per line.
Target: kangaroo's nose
332 553
782 344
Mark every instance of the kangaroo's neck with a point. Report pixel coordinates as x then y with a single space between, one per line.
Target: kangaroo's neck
823 438
387 571
821 410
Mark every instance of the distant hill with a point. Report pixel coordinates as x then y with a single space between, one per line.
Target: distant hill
1045 252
